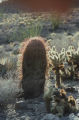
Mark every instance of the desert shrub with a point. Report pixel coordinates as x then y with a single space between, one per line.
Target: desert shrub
8 67
32 29
34 66
9 62
55 21
8 90
1 14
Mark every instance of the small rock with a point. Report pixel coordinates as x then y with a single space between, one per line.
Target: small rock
77 114
73 117
77 104
50 117
20 105
27 118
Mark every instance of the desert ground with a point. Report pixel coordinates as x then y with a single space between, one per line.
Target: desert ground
14 28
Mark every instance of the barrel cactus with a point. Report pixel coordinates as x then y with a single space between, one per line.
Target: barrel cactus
33 66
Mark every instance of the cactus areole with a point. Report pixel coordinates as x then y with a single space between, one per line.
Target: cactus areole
33 67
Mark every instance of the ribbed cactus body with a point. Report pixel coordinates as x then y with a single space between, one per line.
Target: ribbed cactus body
34 65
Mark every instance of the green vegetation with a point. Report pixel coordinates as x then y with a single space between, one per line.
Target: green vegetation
19 26
30 30
55 22
1 13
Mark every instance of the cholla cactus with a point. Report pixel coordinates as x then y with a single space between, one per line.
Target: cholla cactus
61 104
75 62
72 104
70 70
57 64
65 64
69 54
72 57
57 101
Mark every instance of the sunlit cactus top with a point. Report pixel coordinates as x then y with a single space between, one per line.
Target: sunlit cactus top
57 58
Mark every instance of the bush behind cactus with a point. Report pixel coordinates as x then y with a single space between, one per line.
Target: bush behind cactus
8 90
